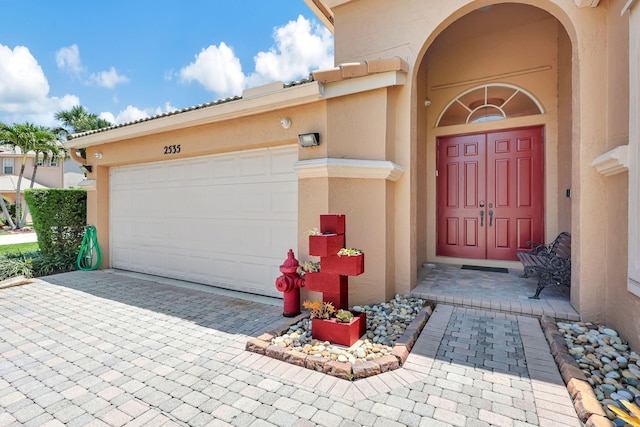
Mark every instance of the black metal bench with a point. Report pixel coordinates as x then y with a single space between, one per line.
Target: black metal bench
552 262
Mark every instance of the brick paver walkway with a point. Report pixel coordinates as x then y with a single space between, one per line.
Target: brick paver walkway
101 349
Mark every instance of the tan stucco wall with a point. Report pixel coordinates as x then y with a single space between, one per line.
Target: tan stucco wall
630 302
409 32
357 128
49 176
620 303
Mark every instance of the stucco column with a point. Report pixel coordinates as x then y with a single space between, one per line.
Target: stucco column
589 195
98 210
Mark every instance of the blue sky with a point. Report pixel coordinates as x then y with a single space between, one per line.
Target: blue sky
126 60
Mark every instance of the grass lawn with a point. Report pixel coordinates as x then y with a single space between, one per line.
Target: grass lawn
18 247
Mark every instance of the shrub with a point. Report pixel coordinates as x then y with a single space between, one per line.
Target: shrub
59 218
17 264
45 265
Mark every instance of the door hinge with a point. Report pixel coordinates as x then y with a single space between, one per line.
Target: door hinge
436 172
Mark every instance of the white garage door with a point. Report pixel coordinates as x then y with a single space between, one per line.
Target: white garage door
226 220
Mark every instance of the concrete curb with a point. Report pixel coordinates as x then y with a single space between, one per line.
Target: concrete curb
15 281
346 371
587 406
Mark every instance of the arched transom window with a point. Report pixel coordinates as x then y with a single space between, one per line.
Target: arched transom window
489 102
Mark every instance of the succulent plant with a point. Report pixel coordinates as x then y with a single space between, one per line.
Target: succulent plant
308 267
344 316
319 309
349 252
313 232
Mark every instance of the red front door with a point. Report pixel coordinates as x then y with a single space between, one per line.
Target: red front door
490 193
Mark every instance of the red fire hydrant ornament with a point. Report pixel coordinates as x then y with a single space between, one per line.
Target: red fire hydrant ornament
289 284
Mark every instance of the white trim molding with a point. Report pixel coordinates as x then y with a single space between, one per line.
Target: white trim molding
613 162
586 3
627 6
348 168
633 287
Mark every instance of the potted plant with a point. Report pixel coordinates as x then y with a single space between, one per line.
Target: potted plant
308 267
324 244
349 262
339 327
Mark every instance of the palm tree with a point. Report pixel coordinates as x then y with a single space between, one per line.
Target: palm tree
77 120
47 146
23 137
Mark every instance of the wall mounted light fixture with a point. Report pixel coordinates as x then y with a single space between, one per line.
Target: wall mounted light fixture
86 168
98 155
285 123
309 139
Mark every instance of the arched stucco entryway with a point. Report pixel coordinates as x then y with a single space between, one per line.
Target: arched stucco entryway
510 44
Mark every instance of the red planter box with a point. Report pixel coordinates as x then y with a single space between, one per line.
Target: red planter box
324 245
333 224
334 288
340 333
344 265
314 281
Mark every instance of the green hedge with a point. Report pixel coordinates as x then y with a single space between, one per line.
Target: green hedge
59 218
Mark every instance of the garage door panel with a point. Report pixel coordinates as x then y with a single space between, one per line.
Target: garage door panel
281 161
252 165
224 167
199 171
282 205
157 174
253 273
138 258
226 220
157 260
121 203
139 175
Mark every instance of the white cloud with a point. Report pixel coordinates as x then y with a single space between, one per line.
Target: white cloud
167 108
217 69
131 113
68 59
24 89
299 48
109 78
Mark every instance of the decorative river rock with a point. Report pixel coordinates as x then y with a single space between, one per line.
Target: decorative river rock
611 367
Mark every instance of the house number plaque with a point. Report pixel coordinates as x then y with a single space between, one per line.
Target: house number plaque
171 149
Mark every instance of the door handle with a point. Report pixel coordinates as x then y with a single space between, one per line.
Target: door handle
482 218
490 218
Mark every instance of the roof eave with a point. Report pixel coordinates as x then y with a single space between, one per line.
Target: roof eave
322 11
284 98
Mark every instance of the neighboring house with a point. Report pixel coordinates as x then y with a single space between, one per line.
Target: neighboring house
50 173
451 132
72 173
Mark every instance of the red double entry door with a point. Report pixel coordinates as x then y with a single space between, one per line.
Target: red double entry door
490 193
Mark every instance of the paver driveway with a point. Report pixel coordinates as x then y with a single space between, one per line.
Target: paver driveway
97 348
